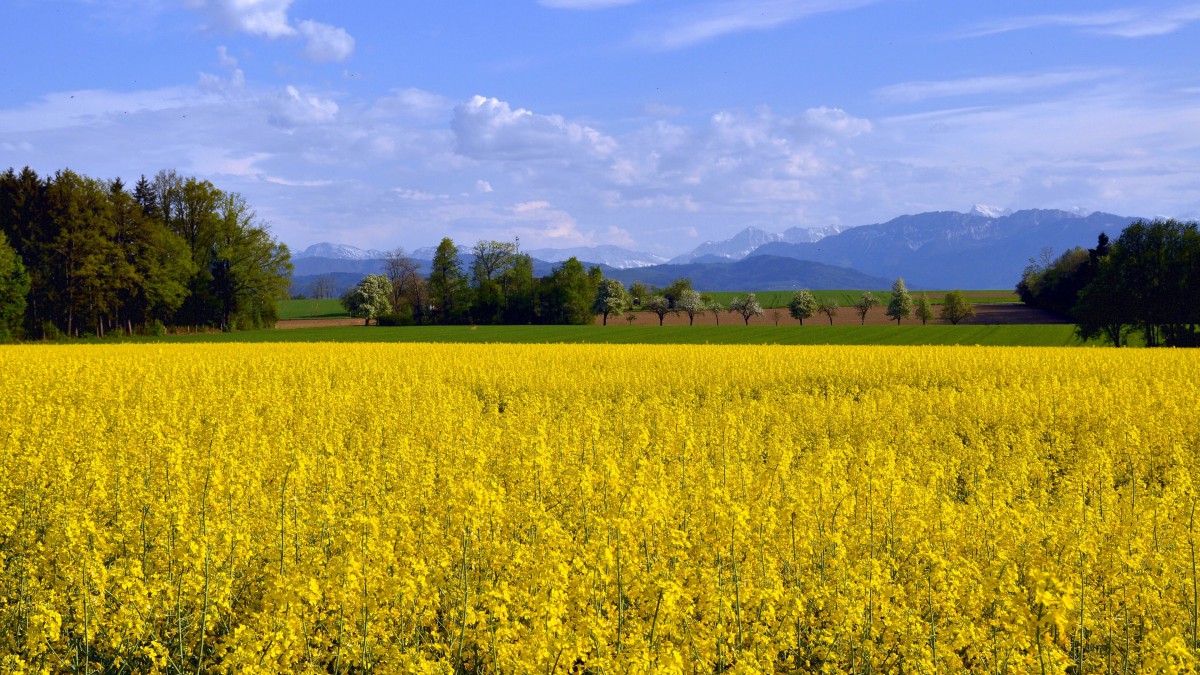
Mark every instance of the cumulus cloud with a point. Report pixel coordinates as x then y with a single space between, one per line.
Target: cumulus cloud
292 108
836 121
324 42
488 128
215 83
266 18
269 19
483 187
541 221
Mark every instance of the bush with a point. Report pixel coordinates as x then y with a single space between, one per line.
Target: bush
402 318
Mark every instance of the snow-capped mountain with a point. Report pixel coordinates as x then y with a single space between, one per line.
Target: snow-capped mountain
947 249
613 256
990 211
808 235
338 252
741 244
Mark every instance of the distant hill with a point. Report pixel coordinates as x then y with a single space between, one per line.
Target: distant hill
762 273
946 249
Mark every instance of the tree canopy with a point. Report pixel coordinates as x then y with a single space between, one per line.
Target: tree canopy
175 250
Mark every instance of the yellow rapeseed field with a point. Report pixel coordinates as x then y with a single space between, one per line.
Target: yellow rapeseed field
600 509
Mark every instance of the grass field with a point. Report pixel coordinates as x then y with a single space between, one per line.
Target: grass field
1031 335
770 299
332 309
311 309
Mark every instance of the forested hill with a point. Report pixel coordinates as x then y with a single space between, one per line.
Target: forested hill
172 250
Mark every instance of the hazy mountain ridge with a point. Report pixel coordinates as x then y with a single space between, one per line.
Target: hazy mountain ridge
947 249
761 273
613 256
987 247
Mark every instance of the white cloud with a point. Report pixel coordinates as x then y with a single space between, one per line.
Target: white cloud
293 108
219 85
483 187
541 221
909 92
1128 23
837 122
225 59
324 42
413 103
717 19
266 18
418 195
269 19
488 128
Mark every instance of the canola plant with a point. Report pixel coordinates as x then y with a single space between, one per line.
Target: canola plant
599 509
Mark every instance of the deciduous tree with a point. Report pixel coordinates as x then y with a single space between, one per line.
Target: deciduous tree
922 309
746 306
956 308
658 304
370 299
802 305
900 306
829 308
690 303
447 283
610 299
864 304
14 286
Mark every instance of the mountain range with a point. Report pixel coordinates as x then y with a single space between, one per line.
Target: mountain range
985 248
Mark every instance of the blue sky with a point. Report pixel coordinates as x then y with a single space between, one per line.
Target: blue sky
651 124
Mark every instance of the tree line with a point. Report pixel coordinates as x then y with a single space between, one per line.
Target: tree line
497 287
1147 282
79 256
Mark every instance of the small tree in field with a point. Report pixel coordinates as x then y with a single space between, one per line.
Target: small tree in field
923 310
659 305
631 317
802 306
865 302
370 299
955 308
716 308
689 303
776 316
829 308
611 298
900 306
747 307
